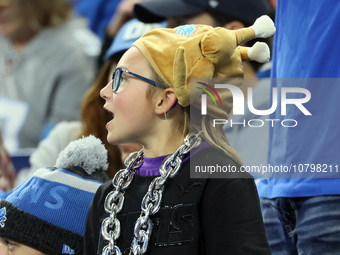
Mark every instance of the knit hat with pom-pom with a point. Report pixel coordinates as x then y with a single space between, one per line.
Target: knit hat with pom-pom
48 212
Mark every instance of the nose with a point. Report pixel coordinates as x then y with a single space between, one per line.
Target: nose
106 92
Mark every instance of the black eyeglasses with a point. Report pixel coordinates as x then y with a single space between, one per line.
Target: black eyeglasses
117 76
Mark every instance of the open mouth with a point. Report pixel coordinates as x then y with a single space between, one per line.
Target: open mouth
111 113
108 119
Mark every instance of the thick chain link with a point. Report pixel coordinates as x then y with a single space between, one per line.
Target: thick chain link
114 201
151 202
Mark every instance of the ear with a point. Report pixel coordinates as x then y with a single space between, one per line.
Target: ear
164 100
234 25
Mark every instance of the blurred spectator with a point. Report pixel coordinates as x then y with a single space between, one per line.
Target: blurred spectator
98 13
7 171
93 115
301 208
47 214
122 14
47 62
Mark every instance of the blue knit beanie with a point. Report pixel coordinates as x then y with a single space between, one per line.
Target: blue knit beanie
48 212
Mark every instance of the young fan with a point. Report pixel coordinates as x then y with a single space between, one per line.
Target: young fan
47 213
152 206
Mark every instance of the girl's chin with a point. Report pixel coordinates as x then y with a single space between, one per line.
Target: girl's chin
113 139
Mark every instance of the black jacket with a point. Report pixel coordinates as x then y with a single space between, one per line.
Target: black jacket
197 216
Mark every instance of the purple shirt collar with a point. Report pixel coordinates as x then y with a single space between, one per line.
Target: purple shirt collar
150 166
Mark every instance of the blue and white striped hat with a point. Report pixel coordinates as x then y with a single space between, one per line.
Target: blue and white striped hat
48 212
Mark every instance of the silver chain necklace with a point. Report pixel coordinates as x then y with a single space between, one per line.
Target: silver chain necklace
151 203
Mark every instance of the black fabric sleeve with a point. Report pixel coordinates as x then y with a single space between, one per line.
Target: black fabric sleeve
90 244
231 218
93 225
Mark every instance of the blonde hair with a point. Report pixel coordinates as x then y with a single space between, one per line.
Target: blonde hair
48 13
190 119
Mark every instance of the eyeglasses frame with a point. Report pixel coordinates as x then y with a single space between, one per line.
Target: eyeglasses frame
136 75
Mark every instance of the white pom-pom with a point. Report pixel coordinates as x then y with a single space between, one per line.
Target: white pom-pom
264 27
259 52
88 153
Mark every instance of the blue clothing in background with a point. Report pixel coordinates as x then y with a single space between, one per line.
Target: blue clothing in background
98 13
306 45
301 213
